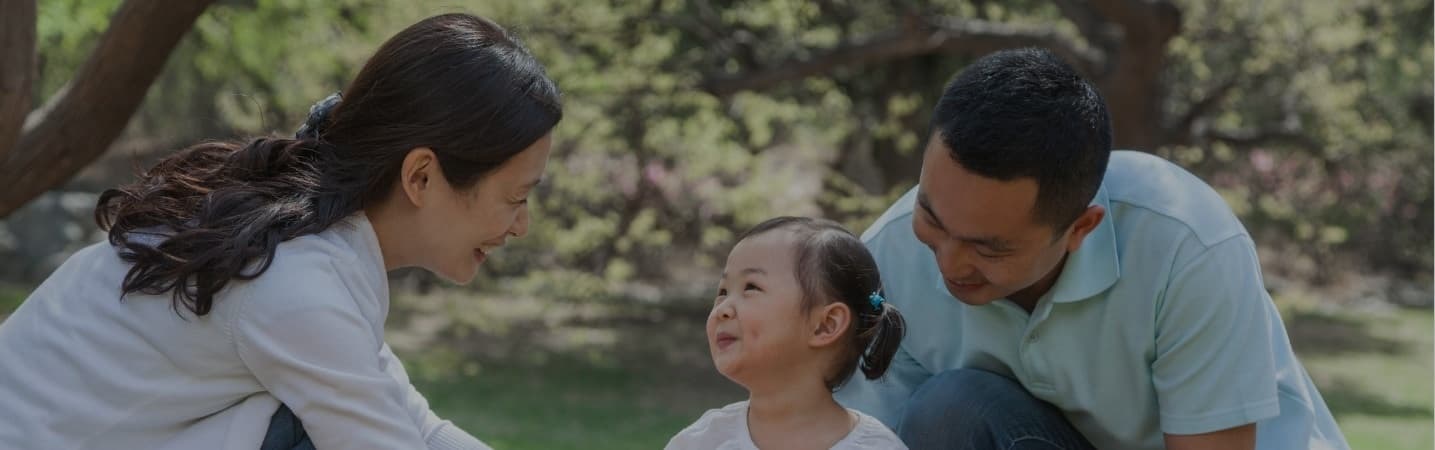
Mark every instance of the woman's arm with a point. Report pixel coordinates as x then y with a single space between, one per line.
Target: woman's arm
320 361
304 335
438 433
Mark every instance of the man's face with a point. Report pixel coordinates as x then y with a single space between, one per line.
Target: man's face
984 232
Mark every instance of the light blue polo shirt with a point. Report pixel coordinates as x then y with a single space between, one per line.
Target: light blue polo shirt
1159 323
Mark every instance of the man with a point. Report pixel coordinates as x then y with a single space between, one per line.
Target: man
1061 295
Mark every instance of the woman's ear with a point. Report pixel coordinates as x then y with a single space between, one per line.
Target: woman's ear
828 323
414 175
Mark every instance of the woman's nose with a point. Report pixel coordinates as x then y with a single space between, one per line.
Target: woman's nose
520 224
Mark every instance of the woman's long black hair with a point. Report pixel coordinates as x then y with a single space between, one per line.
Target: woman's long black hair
214 212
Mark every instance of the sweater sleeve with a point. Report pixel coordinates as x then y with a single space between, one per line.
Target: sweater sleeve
311 348
438 433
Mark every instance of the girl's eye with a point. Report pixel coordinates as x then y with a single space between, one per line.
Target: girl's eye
751 287
722 293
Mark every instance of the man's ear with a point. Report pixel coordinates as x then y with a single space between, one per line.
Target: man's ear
827 323
1083 226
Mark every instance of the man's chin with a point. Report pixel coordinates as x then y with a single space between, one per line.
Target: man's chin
983 301
978 298
970 293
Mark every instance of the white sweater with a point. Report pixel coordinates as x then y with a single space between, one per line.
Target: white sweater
82 369
726 429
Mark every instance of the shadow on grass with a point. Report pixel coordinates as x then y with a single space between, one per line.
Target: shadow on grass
1346 398
1315 333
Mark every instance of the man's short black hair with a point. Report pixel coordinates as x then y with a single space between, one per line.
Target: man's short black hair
1026 113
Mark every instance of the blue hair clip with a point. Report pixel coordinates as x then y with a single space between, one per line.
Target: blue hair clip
876 300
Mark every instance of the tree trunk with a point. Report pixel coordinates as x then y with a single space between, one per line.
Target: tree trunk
17 58
1132 84
78 124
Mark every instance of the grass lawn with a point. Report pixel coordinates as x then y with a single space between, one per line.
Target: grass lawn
530 374
568 405
546 375
10 298
1374 370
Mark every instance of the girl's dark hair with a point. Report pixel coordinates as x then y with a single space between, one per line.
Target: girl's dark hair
455 83
834 266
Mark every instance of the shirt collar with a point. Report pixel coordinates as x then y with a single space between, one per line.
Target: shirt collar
1095 266
358 233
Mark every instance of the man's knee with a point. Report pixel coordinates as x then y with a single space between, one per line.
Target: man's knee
961 399
975 409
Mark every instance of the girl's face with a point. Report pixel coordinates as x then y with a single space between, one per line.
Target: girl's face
756 327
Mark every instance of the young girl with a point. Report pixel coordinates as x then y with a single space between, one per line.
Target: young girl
798 309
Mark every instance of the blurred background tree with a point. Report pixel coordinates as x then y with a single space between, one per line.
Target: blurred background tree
693 118
689 120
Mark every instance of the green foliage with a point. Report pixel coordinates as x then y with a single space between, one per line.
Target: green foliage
11 296
1352 81
651 172
653 177
247 67
65 32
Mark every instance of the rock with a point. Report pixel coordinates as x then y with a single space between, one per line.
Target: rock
1411 294
38 237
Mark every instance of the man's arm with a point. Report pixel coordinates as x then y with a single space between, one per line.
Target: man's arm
1238 438
1214 367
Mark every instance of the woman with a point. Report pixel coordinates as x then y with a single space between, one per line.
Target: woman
240 299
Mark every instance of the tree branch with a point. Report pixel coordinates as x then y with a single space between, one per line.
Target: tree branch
1181 130
1140 17
1246 138
706 23
17 58
1419 106
1101 33
914 38
79 123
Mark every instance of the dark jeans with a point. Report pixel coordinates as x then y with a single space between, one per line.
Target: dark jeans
972 409
285 432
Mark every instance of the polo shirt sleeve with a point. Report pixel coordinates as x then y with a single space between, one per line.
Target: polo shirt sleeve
1214 362
884 398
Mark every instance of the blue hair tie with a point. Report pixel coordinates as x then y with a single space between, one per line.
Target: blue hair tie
876 300
318 116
